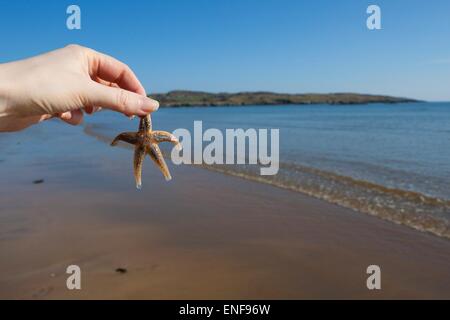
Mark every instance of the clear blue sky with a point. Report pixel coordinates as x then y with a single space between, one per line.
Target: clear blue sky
237 45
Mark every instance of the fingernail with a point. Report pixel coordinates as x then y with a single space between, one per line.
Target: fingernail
45 117
66 115
149 105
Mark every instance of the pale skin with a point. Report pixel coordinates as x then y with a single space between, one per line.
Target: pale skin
66 83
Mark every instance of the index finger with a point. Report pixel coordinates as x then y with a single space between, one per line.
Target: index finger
110 69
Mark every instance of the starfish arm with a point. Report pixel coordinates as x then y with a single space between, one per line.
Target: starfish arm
139 154
145 125
130 137
156 155
164 136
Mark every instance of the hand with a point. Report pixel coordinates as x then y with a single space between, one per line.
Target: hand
64 82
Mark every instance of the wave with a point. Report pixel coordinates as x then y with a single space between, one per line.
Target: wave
409 208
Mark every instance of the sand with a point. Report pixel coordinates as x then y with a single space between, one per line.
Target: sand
203 235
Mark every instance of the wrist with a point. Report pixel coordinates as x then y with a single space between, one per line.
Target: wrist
9 82
3 90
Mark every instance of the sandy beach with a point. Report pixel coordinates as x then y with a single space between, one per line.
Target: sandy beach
203 235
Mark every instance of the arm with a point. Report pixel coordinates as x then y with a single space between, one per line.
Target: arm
63 83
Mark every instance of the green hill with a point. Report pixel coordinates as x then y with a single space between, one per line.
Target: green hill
181 98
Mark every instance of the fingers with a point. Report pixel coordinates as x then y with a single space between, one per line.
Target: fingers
91 109
105 83
115 86
74 117
112 70
120 100
45 117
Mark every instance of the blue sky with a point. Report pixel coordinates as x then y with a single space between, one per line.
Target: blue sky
247 45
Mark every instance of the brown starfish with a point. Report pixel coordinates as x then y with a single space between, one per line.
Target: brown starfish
146 141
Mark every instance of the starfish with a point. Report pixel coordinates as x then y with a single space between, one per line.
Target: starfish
146 142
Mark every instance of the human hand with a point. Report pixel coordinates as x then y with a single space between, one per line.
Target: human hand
64 82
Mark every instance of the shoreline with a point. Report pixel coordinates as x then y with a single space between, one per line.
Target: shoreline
280 104
203 235
187 98
430 224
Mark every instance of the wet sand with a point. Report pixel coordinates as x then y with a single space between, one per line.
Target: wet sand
203 235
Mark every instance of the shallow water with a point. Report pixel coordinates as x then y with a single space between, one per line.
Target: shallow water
387 160
236 238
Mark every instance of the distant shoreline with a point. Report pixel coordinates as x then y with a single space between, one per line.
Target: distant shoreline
184 98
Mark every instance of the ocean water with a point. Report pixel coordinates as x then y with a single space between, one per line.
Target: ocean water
387 160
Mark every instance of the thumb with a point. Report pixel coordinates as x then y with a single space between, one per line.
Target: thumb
127 102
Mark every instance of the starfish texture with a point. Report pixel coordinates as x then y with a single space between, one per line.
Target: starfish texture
146 142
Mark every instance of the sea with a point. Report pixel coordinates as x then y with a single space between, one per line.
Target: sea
387 160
